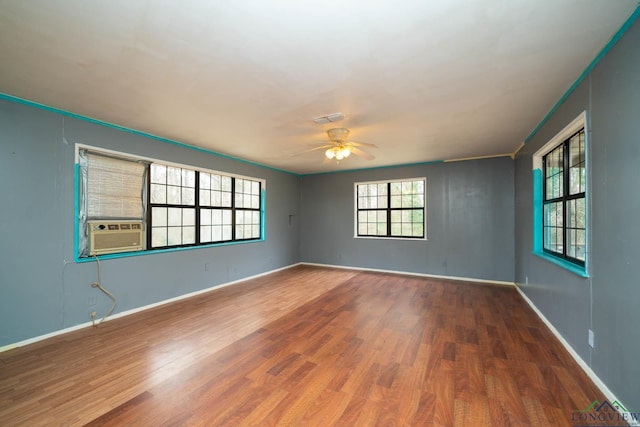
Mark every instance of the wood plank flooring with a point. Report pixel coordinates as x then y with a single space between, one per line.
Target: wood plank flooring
307 346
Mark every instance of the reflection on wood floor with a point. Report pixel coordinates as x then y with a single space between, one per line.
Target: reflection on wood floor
306 346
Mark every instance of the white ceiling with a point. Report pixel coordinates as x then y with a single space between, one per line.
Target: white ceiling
423 80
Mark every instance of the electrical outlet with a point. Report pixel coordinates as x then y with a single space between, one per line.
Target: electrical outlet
526 280
591 338
92 300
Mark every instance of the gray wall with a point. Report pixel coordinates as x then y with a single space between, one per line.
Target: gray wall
43 289
609 300
469 221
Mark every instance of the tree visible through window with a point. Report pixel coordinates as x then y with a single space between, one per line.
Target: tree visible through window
391 209
564 185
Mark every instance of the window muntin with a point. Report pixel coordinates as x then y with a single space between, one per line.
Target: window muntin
564 195
391 209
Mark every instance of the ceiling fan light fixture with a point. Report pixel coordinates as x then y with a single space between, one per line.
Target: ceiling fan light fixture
329 153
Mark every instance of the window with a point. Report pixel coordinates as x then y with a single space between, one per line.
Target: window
560 198
393 209
179 206
564 199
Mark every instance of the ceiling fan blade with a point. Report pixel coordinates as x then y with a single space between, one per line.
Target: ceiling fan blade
362 144
364 154
322 147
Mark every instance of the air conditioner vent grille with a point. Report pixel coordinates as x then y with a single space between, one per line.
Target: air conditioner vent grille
107 237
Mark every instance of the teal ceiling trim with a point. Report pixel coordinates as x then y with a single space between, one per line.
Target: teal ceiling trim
135 132
628 23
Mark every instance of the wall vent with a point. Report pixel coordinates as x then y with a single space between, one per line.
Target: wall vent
108 237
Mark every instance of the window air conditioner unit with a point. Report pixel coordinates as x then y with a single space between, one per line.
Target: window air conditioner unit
108 237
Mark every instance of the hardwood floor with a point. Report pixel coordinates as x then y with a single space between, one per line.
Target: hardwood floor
306 346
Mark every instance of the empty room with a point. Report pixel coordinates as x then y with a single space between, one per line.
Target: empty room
355 213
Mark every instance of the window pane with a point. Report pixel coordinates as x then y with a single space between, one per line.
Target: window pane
216 198
216 233
158 173
371 228
362 203
395 188
173 195
406 229
188 196
205 233
226 199
215 182
216 216
226 232
205 181
396 229
159 217
158 237
205 198
188 235
188 178
225 182
174 236
174 176
188 217
362 228
174 217
158 193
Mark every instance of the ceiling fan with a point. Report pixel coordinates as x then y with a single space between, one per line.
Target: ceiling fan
340 148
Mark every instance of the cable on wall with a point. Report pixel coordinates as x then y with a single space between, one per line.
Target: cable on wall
98 285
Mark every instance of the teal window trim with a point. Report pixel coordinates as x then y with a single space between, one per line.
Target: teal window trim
79 259
537 231
76 241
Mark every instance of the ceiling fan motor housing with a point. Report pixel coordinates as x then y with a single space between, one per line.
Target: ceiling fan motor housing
338 134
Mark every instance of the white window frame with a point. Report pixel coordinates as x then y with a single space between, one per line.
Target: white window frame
580 122
389 181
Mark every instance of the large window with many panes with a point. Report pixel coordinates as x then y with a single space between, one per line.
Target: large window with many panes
564 207
176 205
392 209
192 207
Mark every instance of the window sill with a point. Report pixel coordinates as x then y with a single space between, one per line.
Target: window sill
160 251
576 269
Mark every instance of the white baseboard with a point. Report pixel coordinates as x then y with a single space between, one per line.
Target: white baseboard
138 309
431 276
585 367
